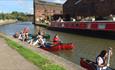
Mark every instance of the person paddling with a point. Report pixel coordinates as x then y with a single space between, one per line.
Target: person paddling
102 60
56 39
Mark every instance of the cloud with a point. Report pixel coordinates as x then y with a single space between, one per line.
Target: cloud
31 10
56 1
27 5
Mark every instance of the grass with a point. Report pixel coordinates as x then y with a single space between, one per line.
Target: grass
33 57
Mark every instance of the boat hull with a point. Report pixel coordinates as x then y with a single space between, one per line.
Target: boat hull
88 64
64 46
95 29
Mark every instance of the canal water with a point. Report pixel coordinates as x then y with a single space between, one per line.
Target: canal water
85 46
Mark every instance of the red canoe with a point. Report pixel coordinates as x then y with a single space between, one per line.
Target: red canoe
88 64
64 46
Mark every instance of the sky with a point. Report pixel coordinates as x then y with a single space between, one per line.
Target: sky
26 6
57 1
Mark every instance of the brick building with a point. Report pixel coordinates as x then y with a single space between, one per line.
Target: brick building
76 8
45 10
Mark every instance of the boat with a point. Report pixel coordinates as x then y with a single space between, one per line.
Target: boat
62 46
103 29
85 25
88 64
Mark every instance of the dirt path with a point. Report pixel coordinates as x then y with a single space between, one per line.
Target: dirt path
11 60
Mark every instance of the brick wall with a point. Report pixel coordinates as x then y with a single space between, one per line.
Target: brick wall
89 7
45 9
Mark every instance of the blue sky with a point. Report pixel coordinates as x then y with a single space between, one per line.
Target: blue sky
25 6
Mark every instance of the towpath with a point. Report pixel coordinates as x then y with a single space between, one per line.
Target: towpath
12 60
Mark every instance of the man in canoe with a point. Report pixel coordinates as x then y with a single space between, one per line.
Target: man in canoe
103 59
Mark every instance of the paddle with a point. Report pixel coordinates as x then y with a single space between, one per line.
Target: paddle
109 54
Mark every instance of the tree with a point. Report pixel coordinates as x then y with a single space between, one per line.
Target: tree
14 15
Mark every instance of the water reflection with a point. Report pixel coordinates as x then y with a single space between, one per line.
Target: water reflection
12 28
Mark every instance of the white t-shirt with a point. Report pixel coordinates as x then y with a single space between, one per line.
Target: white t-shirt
100 61
41 41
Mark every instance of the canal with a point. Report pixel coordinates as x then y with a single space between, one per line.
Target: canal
85 46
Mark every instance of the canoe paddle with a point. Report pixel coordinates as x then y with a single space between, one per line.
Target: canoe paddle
109 53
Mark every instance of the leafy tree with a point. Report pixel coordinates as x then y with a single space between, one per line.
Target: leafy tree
14 15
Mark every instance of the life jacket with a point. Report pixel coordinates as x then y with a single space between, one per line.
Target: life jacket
56 40
26 29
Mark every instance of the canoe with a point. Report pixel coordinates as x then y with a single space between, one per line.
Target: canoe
88 64
62 46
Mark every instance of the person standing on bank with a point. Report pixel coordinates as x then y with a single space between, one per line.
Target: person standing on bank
103 59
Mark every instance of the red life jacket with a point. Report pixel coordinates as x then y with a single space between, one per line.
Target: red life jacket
26 29
56 40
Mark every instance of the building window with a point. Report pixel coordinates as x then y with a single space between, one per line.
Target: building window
101 26
45 11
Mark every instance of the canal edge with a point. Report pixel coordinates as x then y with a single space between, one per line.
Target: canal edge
50 56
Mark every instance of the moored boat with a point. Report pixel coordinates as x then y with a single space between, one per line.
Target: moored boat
85 25
62 46
88 64
103 29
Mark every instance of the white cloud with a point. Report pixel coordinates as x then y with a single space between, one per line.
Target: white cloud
27 5
24 3
59 1
56 1
31 10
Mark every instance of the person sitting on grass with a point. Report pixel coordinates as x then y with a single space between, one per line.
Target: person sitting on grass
21 36
39 41
16 35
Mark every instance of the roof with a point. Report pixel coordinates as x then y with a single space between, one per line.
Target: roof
48 3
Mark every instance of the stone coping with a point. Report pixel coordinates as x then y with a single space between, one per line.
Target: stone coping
10 21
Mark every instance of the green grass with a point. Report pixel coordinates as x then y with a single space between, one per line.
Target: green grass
37 59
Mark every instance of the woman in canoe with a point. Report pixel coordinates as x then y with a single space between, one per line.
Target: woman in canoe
102 60
56 39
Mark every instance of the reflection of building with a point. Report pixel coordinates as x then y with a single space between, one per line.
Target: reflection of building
76 8
45 9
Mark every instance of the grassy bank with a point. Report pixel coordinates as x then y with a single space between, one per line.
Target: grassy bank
35 58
